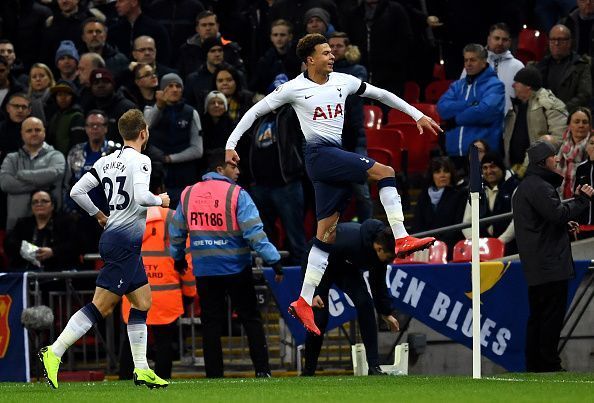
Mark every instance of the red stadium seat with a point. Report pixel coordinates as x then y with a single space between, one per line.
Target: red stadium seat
387 139
429 110
439 71
435 90
534 41
396 116
383 156
412 92
436 254
372 117
417 145
525 55
489 249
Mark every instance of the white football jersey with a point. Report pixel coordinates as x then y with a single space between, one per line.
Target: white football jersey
117 174
319 107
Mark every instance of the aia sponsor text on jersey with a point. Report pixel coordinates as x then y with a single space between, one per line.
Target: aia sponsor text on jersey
328 112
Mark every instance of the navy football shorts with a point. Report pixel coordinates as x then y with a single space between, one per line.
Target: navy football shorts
123 271
332 171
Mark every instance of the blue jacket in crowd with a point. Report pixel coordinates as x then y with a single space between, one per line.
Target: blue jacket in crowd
476 105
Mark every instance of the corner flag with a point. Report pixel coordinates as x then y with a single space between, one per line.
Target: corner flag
475 188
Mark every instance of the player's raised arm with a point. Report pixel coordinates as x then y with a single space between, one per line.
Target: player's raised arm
391 100
261 108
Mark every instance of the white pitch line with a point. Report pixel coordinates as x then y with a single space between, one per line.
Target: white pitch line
540 380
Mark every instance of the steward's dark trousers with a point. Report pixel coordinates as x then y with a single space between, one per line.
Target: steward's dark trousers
212 291
547 311
353 284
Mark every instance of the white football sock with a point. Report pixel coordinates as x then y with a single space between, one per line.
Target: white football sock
77 326
137 333
390 199
317 260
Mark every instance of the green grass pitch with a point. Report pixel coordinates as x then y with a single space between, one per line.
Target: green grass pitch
505 388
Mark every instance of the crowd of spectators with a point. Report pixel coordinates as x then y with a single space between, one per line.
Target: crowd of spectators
70 68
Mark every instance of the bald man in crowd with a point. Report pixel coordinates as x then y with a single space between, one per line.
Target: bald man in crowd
36 165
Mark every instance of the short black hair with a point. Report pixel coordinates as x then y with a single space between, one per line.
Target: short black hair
19 95
93 20
205 14
216 158
385 239
97 112
500 25
307 45
341 35
224 66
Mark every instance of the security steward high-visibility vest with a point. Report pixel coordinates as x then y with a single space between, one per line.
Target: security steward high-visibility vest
167 285
217 244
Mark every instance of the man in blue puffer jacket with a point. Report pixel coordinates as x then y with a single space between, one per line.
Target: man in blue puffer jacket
473 107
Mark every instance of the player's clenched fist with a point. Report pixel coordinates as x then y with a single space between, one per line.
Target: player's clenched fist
231 157
101 218
164 199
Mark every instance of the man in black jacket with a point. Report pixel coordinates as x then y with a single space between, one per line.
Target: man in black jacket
94 38
358 247
191 55
134 23
107 99
275 160
541 224
280 58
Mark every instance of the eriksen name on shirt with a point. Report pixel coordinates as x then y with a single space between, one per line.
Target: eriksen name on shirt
119 165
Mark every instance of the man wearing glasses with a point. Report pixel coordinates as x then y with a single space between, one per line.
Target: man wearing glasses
8 86
565 72
580 22
145 51
80 160
17 109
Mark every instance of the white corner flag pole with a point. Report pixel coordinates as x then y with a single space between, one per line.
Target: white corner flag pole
476 288
475 184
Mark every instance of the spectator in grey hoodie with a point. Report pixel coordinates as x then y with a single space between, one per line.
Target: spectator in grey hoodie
36 165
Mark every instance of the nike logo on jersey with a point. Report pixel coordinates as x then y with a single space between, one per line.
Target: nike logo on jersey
121 282
364 159
308 96
339 92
